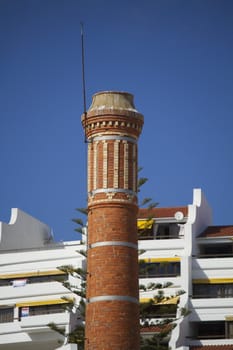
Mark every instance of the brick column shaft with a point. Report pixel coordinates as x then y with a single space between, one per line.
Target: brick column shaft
112 127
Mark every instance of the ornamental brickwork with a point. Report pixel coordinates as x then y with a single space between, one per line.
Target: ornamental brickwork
112 126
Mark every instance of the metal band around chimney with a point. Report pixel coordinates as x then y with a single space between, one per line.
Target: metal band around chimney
113 298
114 137
113 190
113 243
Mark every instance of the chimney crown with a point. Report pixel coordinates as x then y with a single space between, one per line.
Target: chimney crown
112 100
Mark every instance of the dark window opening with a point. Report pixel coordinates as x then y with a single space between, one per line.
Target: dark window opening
216 250
161 269
211 330
160 311
167 231
35 279
229 329
221 290
6 314
161 231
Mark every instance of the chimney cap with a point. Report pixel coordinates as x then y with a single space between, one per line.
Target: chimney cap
113 100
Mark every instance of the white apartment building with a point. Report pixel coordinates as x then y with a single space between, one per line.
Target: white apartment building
31 291
180 245
178 248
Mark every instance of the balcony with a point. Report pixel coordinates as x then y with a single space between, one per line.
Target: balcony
148 230
210 309
61 319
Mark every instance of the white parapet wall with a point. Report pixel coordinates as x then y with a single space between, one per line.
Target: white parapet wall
23 231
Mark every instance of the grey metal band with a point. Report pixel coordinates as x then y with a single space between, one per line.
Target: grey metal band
113 190
113 298
115 137
113 243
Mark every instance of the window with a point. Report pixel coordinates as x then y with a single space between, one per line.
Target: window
167 231
149 230
160 269
35 279
229 328
6 314
40 279
214 250
221 290
41 310
160 311
211 330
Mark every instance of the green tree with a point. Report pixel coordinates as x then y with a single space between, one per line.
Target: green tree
76 335
162 328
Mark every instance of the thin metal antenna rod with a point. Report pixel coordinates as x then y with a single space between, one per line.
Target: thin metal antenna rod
83 80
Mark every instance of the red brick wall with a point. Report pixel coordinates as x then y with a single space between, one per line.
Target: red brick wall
115 328
112 313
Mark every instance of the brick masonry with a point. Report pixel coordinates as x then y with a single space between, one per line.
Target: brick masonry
112 127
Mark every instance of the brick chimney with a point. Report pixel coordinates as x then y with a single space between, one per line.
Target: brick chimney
112 126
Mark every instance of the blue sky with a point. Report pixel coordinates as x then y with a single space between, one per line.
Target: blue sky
175 56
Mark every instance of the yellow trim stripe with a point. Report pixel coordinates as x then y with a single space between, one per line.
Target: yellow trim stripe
145 224
44 302
212 280
32 274
168 301
150 260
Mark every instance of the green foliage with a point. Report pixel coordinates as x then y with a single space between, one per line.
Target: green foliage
163 328
57 329
70 270
77 336
145 201
141 182
159 341
152 286
79 221
167 284
142 287
141 251
153 343
180 292
184 312
83 211
152 205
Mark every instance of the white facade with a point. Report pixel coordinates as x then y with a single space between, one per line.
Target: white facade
31 292
210 318
174 251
